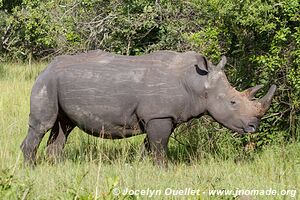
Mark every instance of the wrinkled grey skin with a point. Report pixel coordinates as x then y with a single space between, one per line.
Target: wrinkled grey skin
112 96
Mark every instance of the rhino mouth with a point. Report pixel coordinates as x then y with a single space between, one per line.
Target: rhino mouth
250 128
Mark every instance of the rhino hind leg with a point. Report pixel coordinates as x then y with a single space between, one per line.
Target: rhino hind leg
145 149
43 114
29 146
58 137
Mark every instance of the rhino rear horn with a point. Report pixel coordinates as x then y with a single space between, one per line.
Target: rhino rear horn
250 92
266 100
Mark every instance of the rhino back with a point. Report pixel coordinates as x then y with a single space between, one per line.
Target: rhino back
115 90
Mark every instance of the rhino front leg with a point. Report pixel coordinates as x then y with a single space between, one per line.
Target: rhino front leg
158 133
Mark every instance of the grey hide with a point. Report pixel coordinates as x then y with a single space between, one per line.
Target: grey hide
113 96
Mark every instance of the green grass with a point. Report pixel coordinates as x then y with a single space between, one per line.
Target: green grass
93 167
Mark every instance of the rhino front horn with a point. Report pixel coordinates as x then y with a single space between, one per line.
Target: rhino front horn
266 100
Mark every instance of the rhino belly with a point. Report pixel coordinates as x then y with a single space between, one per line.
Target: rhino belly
103 120
98 114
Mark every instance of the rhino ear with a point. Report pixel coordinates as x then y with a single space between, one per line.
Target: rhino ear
222 63
202 67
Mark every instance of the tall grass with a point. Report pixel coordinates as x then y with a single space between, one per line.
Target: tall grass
93 167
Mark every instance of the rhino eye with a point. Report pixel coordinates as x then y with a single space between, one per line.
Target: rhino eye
233 102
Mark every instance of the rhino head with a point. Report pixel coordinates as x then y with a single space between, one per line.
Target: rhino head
238 111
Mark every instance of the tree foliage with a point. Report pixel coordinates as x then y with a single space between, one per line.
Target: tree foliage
260 38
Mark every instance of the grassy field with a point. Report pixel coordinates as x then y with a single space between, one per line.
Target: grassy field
94 168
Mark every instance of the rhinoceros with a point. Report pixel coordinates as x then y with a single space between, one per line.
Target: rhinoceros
114 96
